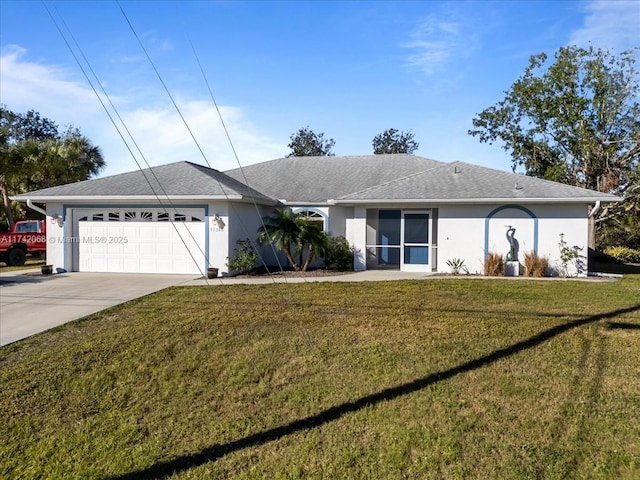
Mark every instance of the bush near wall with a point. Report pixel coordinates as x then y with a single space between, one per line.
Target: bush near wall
339 255
494 265
624 254
535 266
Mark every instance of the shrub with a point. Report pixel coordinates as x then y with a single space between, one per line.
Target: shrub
494 265
245 258
571 255
339 255
624 254
456 264
535 266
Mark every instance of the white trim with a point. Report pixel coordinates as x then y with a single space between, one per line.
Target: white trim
128 198
374 203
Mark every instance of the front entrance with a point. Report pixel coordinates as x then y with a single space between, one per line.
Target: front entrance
399 240
415 241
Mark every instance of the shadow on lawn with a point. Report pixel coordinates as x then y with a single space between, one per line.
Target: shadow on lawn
214 452
622 326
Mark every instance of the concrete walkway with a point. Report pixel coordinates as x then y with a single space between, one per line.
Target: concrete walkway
367 276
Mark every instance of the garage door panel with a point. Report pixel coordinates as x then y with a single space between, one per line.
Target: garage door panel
163 248
142 247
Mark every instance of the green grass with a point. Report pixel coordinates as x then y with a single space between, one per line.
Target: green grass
454 378
30 264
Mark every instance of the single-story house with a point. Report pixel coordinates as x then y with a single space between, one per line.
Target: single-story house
399 211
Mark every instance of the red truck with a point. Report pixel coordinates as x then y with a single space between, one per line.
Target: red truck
27 237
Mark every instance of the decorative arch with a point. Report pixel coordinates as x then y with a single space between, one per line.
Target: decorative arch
313 214
512 207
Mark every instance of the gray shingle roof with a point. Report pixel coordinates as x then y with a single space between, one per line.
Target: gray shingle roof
174 179
321 180
314 180
459 181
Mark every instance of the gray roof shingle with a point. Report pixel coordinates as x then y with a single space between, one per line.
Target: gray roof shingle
323 180
459 181
174 179
315 180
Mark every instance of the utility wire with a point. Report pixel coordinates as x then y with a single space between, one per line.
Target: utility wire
235 153
155 193
186 124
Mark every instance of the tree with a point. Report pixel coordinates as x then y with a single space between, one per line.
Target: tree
575 121
292 233
393 141
619 223
311 239
306 143
281 230
35 154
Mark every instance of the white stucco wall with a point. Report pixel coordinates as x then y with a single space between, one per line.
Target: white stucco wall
356 234
218 234
57 242
463 232
570 220
461 235
244 222
338 220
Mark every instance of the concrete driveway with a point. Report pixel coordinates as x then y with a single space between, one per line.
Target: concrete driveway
31 303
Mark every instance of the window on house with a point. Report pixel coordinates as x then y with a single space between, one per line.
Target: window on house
312 216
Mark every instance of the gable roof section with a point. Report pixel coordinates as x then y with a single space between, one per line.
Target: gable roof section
175 180
460 182
316 180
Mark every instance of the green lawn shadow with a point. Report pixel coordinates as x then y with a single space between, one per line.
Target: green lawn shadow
214 452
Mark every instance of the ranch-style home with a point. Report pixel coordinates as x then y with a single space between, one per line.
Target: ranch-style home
399 212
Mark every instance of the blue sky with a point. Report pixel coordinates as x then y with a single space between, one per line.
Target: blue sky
348 69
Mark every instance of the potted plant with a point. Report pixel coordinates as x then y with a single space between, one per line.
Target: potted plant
212 272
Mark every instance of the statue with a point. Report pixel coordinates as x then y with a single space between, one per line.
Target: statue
512 256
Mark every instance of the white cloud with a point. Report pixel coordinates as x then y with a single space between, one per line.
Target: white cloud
609 24
434 42
45 88
55 93
163 137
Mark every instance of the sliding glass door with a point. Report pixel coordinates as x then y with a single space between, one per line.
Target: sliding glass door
398 239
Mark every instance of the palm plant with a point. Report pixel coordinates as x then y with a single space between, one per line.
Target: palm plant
33 163
312 238
292 233
282 231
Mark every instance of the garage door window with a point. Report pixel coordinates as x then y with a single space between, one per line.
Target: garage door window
140 216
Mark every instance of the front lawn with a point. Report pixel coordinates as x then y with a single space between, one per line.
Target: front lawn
452 378
30 264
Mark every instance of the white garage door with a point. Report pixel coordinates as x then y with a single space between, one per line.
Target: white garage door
141 246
